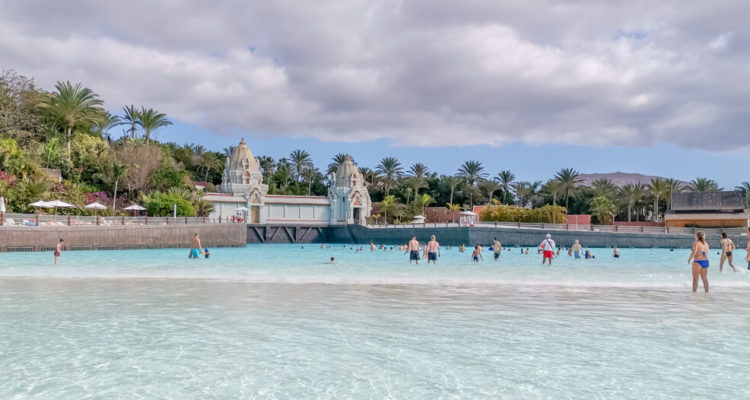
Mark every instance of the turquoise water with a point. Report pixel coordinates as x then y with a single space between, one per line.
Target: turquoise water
279 321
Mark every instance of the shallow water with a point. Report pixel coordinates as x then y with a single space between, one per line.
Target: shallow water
278 321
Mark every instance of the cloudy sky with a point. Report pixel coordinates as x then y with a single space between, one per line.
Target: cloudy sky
531 86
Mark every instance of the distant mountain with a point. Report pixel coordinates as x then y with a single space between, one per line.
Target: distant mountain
618 178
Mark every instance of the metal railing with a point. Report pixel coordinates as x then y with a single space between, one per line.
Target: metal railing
569 227
46 220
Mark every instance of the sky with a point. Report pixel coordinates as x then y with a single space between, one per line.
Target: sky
660 88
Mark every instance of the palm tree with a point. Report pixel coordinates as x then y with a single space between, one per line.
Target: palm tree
603 187
228 151
267 165
106 122
112 174
131 117
203 207
337 160
569 181
209 161
526 192
631 194
310 174
368 176
390 170
73 104
151 120
553 188
673 186
603 209
744 187
489 187
471 172
418 176
453 182
423 201
703 185
506 179
453 208
388 204
34 188
300 161
659 188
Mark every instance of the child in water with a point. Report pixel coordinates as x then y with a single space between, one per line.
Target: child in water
206 253
477 254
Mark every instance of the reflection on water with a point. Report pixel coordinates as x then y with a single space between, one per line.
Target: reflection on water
195 338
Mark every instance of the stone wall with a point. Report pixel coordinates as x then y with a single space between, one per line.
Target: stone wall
120 237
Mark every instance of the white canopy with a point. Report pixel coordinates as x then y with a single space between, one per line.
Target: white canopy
241 209
96 206
2 204
134 207
41 203
467 213
59 204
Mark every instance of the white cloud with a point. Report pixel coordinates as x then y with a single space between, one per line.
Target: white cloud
420 73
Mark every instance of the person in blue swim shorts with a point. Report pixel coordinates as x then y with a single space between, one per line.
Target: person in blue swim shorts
699 259
195 248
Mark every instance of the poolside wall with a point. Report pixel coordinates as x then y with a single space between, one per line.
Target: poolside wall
514 237
120 237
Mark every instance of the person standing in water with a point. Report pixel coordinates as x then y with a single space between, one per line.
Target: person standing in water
462 248
372 247
58 250
616 252
699 259
727 248
497 248
747 257
195 249
548 249
413 249
577 249
433 250
477 253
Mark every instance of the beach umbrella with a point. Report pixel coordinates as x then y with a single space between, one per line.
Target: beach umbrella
2 204
243 209
134 208
60 204
95 206
40 204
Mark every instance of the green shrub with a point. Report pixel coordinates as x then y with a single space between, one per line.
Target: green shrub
547 214
160 205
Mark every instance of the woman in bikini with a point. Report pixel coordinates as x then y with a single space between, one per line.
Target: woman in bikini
699 260
727 247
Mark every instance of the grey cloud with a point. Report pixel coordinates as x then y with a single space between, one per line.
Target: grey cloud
593 72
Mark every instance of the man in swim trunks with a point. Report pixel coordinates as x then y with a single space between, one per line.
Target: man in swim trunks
413 249
433 250
195 250
58 250
548 249
577 249
727 248
497 248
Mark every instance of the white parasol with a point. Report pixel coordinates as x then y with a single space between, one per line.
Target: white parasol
96 206
2 204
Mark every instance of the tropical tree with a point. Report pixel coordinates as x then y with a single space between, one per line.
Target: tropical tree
388 204
368 176
489 188
203 208
569 182
151 120
267 166
703 185
471 172
209 161
452 182
659 188
131 117
631 194
603 187
506 180
300 160
602 209
420 202
337 160
526 192
673 186
310 174
744 187
418 177
106 122
73 104
51 153
112 173
453 208
390 171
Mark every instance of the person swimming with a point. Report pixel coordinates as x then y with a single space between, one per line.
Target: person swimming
699 258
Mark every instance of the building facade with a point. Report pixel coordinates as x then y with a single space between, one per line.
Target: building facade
243 193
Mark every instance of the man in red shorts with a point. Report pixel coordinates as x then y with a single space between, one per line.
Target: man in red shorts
548 249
